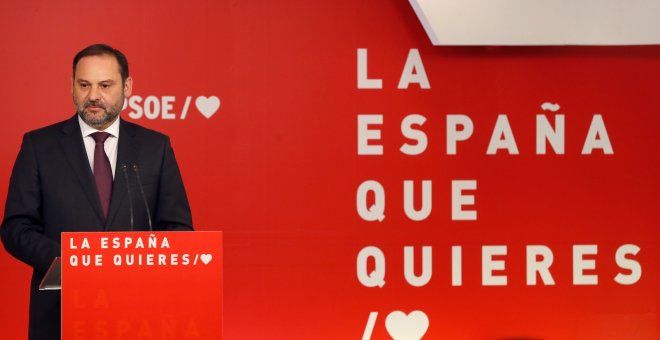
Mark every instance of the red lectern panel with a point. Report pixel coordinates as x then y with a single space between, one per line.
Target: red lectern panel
142 285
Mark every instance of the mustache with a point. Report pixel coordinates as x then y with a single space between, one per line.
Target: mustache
96 103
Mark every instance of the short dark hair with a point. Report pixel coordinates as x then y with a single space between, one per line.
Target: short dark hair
103 49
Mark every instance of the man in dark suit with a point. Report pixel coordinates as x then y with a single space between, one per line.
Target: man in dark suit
87 173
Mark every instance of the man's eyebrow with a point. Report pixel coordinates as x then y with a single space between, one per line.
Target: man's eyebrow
112 81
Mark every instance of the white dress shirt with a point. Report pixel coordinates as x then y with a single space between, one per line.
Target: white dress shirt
110 144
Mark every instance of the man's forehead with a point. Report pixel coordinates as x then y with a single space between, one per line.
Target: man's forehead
98 66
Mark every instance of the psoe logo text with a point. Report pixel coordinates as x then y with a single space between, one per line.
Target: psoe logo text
163 107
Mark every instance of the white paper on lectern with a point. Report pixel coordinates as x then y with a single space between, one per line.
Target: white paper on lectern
53 278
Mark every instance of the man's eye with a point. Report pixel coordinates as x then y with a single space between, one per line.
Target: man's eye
105 86
84 86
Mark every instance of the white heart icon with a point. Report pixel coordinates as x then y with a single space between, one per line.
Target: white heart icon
206 258
207 106
412 326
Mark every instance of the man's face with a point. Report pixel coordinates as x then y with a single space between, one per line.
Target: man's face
97 90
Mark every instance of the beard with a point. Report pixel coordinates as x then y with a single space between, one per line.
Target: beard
109 111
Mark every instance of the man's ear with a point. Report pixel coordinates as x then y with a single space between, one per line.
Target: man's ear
128 87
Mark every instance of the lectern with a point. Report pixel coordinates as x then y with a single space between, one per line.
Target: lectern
141 285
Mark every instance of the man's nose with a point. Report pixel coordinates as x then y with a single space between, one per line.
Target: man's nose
94 93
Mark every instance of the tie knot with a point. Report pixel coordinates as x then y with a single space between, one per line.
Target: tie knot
100 137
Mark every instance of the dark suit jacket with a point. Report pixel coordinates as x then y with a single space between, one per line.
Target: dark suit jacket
52 190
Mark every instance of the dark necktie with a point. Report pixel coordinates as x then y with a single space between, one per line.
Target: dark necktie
102 171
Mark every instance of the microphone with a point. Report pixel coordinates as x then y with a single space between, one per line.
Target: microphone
144 197
130 196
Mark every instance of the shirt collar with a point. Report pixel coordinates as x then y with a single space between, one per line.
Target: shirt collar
87 130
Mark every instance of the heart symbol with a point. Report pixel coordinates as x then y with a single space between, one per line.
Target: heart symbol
206 258
207 106
407 327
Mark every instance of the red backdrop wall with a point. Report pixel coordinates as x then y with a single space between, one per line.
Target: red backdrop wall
276 166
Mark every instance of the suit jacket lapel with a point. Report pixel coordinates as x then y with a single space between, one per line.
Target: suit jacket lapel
74 152
126 156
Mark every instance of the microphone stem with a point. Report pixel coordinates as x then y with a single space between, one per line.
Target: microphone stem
144 198
130 196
